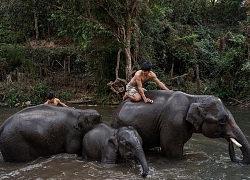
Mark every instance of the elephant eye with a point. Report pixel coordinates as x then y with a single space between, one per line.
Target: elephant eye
223 121
128 145
123 142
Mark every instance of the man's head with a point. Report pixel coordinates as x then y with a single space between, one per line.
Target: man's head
50 96
146 66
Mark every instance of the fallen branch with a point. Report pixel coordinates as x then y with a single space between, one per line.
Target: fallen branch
236 100
118 86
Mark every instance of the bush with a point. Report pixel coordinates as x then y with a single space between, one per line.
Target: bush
12 97
64 96
15 56
7 36
39 92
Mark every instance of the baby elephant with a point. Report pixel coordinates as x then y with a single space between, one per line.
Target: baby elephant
107 145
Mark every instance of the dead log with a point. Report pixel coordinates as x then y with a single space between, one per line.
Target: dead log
118 86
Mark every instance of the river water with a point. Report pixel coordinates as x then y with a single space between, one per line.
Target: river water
204 158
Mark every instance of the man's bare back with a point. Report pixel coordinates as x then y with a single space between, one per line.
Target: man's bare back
51 100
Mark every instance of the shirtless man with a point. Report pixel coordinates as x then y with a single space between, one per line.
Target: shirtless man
134 88
51 100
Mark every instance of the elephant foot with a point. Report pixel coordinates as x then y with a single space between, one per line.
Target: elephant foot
144 174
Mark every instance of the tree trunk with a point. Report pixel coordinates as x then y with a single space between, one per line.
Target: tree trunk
128 41
247 42
128 64
36 25
171 75
198 81
118 64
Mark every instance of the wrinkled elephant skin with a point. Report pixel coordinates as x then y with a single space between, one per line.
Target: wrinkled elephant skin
174 116
45 130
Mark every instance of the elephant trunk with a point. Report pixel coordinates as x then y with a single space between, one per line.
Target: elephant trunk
139 154
244 147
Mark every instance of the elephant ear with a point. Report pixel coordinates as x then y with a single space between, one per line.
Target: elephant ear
113 143
195 115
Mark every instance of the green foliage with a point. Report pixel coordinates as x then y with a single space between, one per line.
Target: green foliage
15 55
220 89
13 37
38 92
150 85
13 97
246 67
186 33
64 96
228 61
16 20
228 78
238 39
101 94
228 12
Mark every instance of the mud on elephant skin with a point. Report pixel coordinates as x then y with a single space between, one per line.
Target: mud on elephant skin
174 116
45 130
109 145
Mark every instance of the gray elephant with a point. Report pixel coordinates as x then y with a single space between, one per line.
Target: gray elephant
174 116
45 130
108 145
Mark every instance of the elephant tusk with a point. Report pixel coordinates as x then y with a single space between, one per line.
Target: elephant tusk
236 142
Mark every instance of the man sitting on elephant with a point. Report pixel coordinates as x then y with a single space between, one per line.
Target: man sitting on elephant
174 116
134 88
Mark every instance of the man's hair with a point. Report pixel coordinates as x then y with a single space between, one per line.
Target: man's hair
146 66
50 95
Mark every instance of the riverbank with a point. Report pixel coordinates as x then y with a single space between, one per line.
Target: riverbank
84 92
16 94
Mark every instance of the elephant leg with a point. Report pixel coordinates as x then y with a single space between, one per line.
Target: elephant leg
109 156
21 153
73 146
83 154
171 144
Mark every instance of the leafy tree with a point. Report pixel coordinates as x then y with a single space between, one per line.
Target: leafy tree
112 37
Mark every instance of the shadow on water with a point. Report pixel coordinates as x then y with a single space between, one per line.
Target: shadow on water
204 158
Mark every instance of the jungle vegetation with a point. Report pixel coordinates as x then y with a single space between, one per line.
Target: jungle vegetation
89 49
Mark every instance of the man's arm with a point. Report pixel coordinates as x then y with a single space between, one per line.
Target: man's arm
61 103
140 89
159 83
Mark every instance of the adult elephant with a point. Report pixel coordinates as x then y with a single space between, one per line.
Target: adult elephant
108 145
45 130
174 116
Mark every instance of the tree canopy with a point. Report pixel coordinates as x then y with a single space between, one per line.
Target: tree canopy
111 38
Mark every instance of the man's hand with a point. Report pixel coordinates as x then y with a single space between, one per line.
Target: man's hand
148 101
